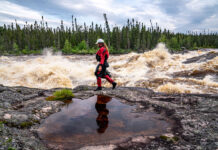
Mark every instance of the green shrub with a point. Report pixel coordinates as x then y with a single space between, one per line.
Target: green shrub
67 47
82 45
15 47
92 51
173 44
64 94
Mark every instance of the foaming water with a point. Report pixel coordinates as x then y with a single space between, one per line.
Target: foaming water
47 71
156 69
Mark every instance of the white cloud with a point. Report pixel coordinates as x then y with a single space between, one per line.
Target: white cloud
18 11
116 10
211 22
10 11
198 5
189 14
8 21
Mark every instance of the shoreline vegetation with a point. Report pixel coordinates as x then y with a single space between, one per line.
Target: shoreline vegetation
135 36
86 52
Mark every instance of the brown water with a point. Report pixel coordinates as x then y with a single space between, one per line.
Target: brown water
153 69
98 120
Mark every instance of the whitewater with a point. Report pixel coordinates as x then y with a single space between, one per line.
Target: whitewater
156 69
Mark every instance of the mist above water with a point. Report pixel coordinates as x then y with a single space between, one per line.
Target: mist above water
156 69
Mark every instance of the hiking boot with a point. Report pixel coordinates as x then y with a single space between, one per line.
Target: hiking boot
98 89
114 85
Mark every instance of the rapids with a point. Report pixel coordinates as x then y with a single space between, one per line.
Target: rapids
156 69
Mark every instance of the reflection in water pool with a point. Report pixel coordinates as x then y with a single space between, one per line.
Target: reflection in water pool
98 120
102 119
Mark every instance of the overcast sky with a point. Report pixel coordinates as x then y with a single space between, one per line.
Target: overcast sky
176 15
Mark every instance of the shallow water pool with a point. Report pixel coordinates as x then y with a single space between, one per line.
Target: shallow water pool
98 120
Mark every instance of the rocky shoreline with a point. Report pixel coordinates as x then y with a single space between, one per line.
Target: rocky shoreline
195 117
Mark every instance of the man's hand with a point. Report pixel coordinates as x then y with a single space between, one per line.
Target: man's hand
99 68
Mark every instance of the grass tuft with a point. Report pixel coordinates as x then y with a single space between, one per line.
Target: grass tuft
26 124
169 139
64 94
50 98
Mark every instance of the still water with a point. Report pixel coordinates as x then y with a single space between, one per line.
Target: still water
98 120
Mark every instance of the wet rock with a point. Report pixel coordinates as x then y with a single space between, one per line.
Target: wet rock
18 139
195 116
5 105
140 139
102 147
201 58
199 74
46 109
83 88
41 93
27 91
11 97
19 118
203 70
192 126
7 116
2 88
27 97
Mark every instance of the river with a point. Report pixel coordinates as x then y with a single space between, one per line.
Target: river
156 69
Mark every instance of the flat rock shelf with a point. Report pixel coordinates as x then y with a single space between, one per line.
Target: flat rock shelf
127 118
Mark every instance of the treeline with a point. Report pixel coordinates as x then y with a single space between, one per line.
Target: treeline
134 36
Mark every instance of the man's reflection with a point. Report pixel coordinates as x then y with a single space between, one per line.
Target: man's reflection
102 119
